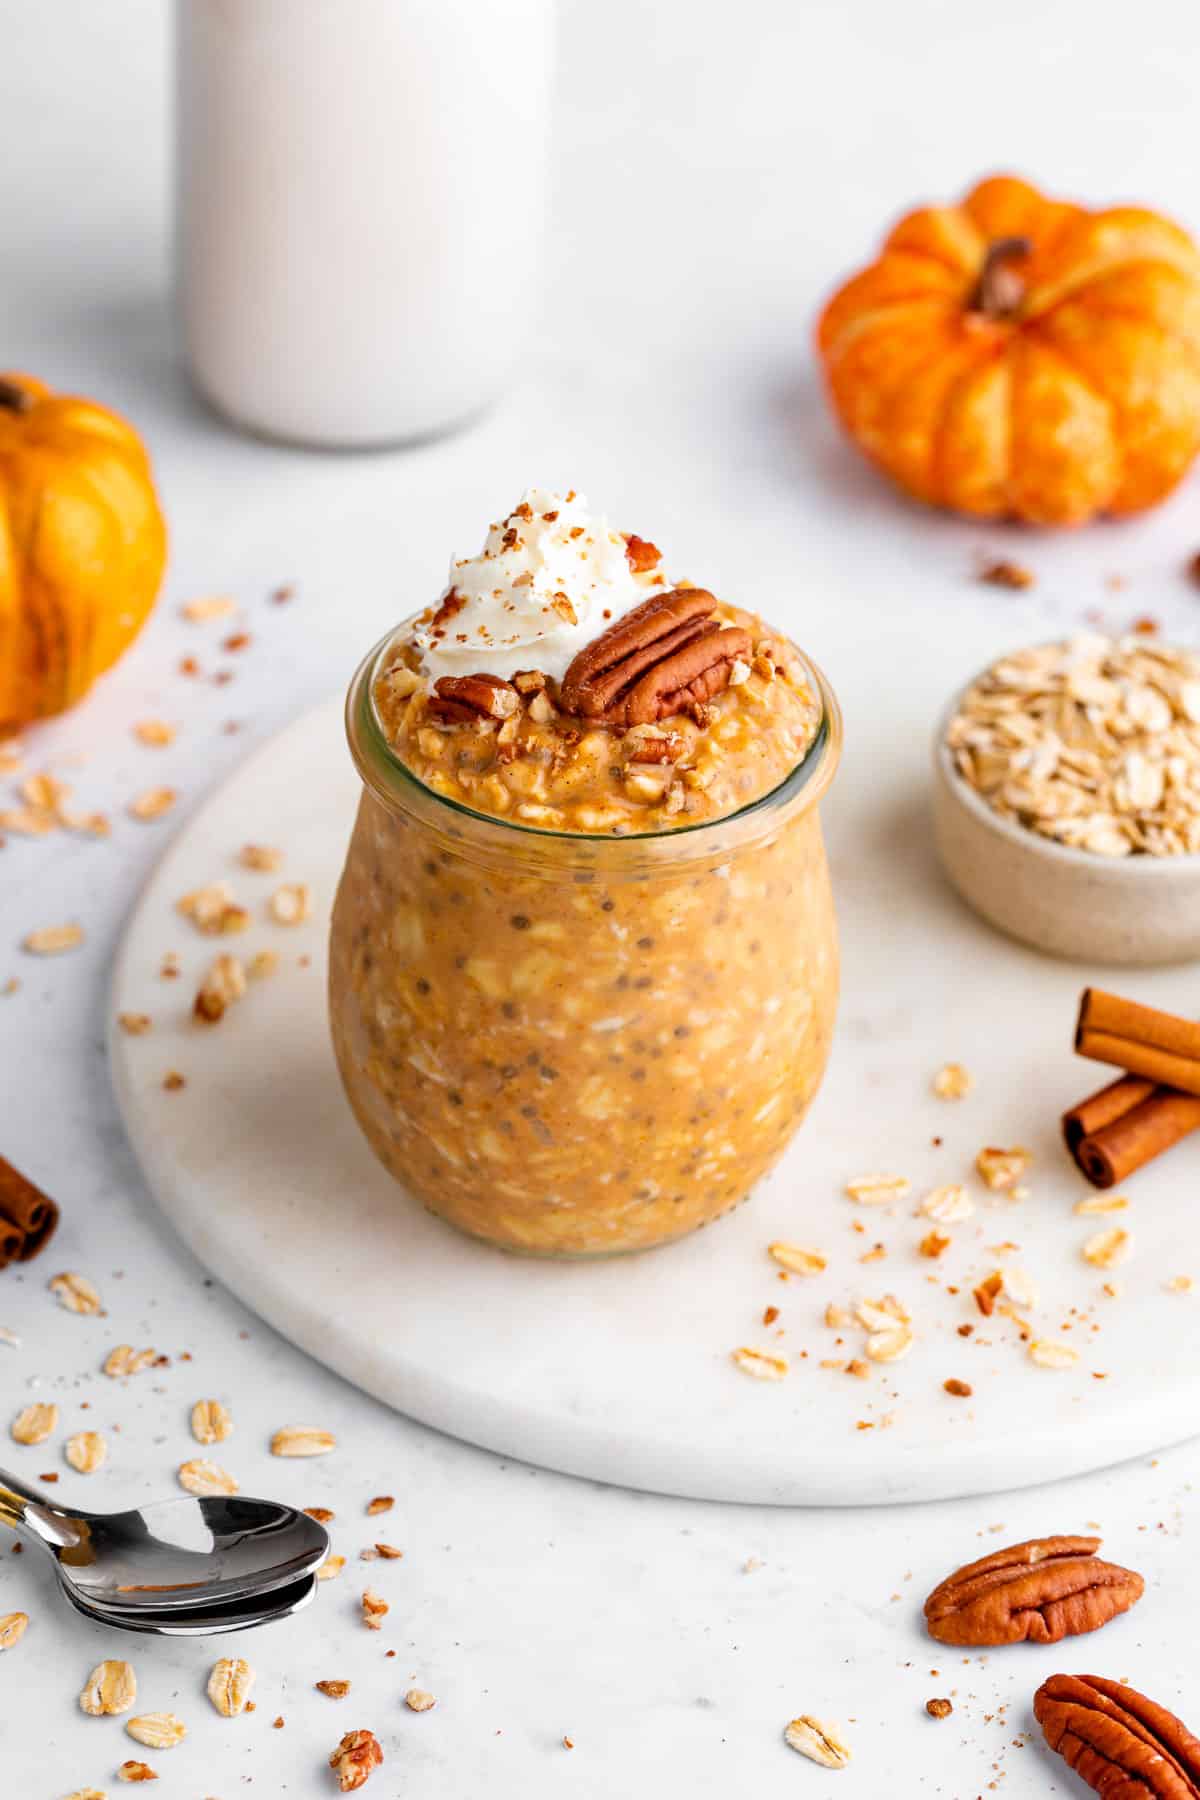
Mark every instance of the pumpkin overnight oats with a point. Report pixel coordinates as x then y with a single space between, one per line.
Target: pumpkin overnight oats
583 969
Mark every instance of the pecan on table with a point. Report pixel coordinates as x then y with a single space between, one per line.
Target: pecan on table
1038 1592
667 656
462 699
1123 1745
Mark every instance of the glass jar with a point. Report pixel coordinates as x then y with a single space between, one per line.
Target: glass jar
571 1045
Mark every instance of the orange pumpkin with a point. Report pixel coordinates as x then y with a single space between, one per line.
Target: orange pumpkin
1020 357
82 545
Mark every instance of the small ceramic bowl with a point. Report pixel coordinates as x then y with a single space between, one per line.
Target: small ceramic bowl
1071 903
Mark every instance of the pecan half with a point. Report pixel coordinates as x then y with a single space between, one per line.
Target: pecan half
460 699
1038 1592
667 656
1116 1740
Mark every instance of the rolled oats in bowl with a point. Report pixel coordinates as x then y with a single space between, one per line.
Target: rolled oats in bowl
1094 742
583 965
1067 798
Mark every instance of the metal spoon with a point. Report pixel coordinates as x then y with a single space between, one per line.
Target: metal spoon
200 1621
213 1558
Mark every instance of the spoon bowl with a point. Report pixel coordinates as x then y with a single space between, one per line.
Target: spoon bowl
214 1557
201 1620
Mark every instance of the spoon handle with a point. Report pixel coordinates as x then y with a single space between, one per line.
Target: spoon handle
24 1509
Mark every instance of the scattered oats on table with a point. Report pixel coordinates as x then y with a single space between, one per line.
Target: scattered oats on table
158 1731
336 1690
1094 743
52 940
223 984
1050 1355
1002 1170
75 1292
155 733
213 910
952 1082
417 1700
35 1423
820 1743
13 1626
134 1024
302 1440
204 1478
209 606
878 1190
136 1771
1100 1203
796 1260
111 1688
948 1205
1180 1284
153 803
229 1685
762 1364
380 1504
331 1567
124 1360
86 1451
211 1422
374 1609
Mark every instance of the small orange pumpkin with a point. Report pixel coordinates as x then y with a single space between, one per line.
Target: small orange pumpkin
1020 357
82 545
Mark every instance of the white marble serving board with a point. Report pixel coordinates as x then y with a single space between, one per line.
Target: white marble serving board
620 1370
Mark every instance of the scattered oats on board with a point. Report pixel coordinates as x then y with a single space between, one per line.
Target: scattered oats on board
1100 1203
1108 1248
820 1743
224 983
330 1568
417 1700
12 1628
262 964
110 1688
152 804
261 857
878 1190
86 1451
762 1364
124 1360
75 1292
374 1609
1001 1170
52 940
213 910
291 904
1050 1355
229 1685
952 1082
1091 742
797 1261
948 1205
34 1424
158 1731
1018 1285
302 1440
204 1478
211 1423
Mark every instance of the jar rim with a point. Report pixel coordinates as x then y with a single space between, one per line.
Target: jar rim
374 755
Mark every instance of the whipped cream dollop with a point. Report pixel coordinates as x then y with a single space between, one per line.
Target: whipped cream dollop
549 579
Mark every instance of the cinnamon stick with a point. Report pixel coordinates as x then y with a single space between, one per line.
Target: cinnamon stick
28 1217
1114 1133
1139 1039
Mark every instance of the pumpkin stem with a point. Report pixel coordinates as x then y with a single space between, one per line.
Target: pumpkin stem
1000 289
13 398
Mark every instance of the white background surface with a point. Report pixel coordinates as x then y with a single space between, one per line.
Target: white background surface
717 171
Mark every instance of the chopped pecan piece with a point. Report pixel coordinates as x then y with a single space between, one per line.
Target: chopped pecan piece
1038 1592
461 699
1116 1740
667 656
641 553
358 1753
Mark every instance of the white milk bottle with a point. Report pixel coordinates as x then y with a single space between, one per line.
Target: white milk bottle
360 195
